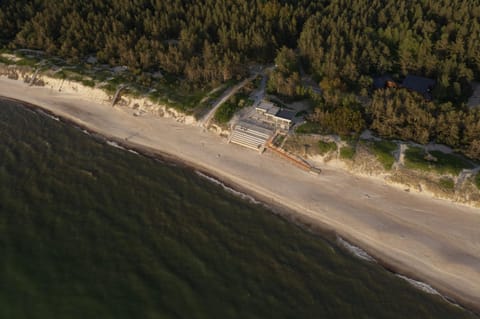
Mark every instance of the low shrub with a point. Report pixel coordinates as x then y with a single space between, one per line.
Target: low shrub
326 147
447 184
383 150
308 128
416 158
477 180
347 152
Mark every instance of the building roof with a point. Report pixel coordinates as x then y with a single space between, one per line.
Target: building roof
264 106
379 82
418 84
285 114
273 110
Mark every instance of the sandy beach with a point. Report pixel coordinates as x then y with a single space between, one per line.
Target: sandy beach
432 240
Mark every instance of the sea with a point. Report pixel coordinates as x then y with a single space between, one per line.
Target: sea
90 229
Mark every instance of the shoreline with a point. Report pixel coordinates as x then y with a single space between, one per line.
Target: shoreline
325 233
293 211
329 235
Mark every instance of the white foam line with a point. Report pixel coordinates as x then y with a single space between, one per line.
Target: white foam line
29 110
228 189
354 250
420 285
360 253
133 152
50 116
116 145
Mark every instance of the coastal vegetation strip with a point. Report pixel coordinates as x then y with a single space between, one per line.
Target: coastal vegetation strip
436 161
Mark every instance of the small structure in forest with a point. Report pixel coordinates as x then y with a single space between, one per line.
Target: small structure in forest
419 84
384 82
414 83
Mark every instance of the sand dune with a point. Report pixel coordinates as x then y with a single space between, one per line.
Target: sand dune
431 240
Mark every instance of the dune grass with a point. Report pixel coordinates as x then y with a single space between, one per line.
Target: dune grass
441 163
447 184
326 147
347 152
227 110
383 150
477 180
308 128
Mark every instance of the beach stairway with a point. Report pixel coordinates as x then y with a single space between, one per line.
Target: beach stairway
117 93
249 138
34 77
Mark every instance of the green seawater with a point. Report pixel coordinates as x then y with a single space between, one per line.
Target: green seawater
91 231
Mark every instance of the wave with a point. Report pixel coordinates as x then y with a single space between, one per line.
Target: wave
420 285
116 145
133 152
360 253
354 250
228 189
48 115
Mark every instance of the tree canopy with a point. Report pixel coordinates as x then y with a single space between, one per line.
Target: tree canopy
341 44
215 39
200 40
438 39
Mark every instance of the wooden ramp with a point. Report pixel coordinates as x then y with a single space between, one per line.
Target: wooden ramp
295 160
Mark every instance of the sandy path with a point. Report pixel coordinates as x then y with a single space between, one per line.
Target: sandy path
432 240
231 91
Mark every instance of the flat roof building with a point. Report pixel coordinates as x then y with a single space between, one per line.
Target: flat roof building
264 106
275 116
285 114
